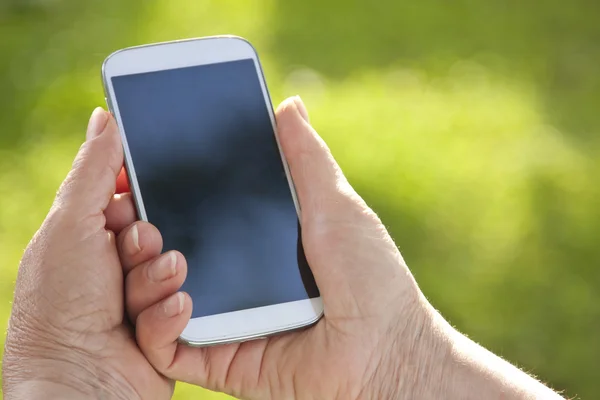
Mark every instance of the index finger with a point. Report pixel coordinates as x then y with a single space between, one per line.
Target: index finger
122 182
120 212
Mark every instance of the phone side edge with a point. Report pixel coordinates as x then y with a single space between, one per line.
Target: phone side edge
127 160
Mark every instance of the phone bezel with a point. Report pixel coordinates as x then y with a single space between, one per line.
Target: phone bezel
233 326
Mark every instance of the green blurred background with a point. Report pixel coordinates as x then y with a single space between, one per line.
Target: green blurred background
471 127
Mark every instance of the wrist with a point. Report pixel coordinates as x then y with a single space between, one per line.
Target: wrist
446 364
424 366
414 358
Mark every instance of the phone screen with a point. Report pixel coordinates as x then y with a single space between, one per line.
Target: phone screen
212 181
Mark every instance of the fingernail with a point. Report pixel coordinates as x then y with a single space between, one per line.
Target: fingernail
173 305
97 123
301 108
135 238
163 268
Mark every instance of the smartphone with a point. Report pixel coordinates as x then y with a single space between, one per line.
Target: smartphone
205 167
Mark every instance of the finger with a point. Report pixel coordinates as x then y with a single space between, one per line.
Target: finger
138 243
120 212
90 184
334 219
318 179
157 332
158 328
154 280
122 182
231 368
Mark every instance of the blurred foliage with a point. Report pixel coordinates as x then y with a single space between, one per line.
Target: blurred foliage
471 127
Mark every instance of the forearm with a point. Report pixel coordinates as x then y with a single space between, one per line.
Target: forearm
473 372
468 371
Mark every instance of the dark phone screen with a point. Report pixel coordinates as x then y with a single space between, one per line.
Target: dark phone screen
212 181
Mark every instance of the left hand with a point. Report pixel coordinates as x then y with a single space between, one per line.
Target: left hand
68 337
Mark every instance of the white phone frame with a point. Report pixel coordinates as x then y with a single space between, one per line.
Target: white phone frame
232 326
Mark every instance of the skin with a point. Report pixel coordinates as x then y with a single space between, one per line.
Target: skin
379 338
67 333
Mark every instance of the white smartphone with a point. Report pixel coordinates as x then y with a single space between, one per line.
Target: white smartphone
206 168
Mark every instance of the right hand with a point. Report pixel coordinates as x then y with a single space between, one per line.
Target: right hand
377 327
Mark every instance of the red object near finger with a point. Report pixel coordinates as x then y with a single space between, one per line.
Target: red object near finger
122 182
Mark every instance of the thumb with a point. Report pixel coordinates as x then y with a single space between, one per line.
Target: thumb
91 183
318 179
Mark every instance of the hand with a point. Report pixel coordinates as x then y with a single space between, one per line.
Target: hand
379 338
376 320
68 337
